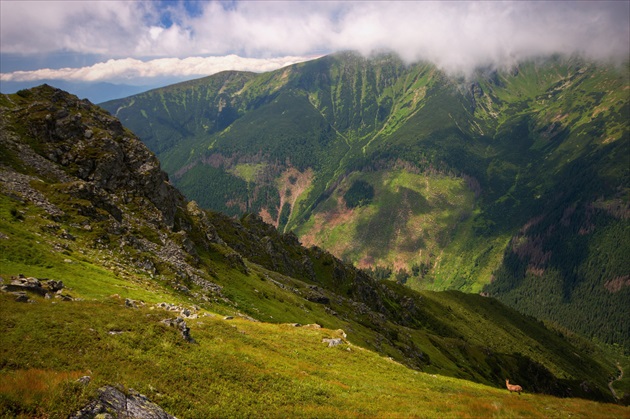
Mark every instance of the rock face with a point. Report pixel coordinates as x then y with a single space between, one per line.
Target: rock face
103 174
93 146
113 403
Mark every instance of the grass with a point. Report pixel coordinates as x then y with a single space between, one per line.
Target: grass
238 368
454 269
411 217
30 249
247 171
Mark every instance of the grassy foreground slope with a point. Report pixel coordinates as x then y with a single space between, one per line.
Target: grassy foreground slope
84 202
236 368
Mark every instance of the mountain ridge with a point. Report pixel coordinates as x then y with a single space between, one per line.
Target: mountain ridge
106 222
458 169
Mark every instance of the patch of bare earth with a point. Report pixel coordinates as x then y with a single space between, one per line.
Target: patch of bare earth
291 184
366 262
266 217
616 284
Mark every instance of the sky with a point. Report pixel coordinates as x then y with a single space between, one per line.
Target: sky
153 42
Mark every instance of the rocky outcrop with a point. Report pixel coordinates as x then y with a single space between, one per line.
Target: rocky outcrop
180 324
316 295
89 144
21 285
113 403
104 174
332 342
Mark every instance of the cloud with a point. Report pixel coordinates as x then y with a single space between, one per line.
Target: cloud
457 36
31 27
130 70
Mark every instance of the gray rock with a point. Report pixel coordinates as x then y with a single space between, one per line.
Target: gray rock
181 325
318 298
332 342
26 284
182 288
54 286
236 261
113 403
21 297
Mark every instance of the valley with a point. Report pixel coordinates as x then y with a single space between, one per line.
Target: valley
513 182
207 315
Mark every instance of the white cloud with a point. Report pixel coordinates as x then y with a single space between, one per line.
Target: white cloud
456 35
129 70
30 27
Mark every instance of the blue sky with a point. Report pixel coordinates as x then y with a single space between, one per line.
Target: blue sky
140 42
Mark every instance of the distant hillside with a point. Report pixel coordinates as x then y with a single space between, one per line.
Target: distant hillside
515 183
84 202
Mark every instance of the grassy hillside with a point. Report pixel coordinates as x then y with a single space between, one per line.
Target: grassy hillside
404 225
82 201
236 368
476 163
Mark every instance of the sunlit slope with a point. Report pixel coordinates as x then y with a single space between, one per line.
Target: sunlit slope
235 368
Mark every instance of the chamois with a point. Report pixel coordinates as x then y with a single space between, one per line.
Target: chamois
513 387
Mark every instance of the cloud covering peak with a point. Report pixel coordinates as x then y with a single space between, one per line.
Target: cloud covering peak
457 36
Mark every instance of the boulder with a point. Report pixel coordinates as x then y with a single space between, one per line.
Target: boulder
181 325
26 284
53 285
133 303
20 297
318 298
30 284
332 342
113 403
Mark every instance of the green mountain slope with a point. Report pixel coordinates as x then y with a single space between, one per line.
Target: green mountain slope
84 202
422 178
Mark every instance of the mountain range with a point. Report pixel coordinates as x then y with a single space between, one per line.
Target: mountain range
512 183
117 290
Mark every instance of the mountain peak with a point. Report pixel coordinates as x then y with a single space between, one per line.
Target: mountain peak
88 143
